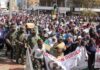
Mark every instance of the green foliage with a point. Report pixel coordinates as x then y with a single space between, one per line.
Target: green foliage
86 3
55 6
89 13
8 6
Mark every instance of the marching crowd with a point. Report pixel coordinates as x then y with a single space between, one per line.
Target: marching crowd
59 36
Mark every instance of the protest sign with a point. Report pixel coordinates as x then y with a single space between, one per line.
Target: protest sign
97 59
28 61
65 63
30 25
52 63
70 61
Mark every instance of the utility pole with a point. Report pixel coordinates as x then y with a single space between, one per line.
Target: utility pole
37 5
10 9
65 3
26 7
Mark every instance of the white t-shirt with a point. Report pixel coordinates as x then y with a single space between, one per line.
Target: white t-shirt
38 52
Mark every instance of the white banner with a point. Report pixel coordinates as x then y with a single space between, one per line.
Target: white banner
82 60
68 62
52 63
28 61
97 59
73 61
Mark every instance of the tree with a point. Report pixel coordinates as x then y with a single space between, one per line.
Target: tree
20 6
89 13
85 3
8 5
97 3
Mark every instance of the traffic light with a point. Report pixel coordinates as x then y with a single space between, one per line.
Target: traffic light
8 6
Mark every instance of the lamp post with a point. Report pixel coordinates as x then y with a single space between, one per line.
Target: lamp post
10 9
26 5
65 6
37 5
65 3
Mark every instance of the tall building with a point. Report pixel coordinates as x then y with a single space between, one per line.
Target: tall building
60 3
50 2
29 3
14 5
22 4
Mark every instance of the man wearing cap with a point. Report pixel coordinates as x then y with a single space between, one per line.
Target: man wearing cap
60 50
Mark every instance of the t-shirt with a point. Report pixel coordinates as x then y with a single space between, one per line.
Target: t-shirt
33 40
91 49
38 52
47 41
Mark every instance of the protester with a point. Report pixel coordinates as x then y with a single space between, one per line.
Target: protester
37 53
62 36
91 50
20 42
2 36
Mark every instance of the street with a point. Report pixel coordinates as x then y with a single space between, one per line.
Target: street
7 64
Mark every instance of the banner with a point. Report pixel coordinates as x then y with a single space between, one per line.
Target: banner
82 59
73 61
28 61
97 59
30 25
67 62
52 63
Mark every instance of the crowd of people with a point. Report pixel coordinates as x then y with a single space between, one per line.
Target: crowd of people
62 35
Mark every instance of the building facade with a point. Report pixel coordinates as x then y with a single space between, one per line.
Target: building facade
47 3
60 3
14 5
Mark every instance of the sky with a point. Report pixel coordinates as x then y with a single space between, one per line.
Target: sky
3 3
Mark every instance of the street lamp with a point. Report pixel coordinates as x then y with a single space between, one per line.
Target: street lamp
37 5
26 7
10 9
65 3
